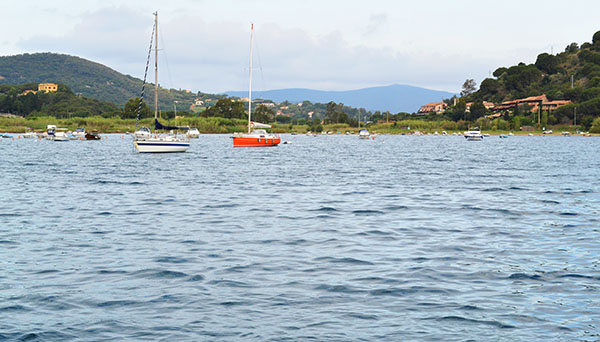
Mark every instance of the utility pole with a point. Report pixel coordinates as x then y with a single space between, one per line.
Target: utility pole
575 116
572 81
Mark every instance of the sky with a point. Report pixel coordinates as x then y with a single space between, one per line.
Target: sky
317 44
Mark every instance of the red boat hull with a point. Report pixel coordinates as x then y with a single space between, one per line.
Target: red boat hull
255 142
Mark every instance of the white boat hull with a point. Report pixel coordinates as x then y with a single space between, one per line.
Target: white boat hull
158 145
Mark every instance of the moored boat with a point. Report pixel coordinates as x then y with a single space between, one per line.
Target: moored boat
364 134
79 133
473 135
143 139
255 137
193 133
92 135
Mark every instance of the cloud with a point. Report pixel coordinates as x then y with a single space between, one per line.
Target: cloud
212 56
376 21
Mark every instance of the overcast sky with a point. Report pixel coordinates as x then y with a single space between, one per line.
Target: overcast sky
319 44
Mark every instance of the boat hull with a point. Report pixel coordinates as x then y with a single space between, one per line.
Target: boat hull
160 146
255 142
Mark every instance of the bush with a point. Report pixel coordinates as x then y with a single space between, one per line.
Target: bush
595 126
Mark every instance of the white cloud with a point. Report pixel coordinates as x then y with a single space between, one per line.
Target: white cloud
209 53
213 56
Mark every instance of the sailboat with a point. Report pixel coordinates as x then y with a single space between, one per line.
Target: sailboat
254 137
363 133
143 139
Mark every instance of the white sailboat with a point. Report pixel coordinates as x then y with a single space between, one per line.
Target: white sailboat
254 137
363 133
143 139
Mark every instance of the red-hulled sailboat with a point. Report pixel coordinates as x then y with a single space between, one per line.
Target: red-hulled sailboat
254 137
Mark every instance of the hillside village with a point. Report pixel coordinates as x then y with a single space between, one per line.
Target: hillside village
533 104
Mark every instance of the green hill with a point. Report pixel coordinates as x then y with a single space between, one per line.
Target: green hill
570 75
87 78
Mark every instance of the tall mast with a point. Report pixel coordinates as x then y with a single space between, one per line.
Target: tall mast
156 66
250 85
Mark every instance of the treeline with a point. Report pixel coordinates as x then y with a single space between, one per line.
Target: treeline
25 101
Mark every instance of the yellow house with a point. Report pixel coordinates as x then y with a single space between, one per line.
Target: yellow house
48 87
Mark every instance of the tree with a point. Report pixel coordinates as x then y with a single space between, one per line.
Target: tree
571 48
596 39
516 123
459 110
498 72
547 63
263 113
489 86
544 120
595 126
226 108
477 110
469 87
331 115
131 109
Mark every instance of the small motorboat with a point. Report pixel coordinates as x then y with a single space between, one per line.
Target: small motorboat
79 133
364 134
503 136
92 135
30 135
473 135
193 133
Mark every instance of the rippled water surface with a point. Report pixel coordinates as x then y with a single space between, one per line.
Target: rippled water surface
330 238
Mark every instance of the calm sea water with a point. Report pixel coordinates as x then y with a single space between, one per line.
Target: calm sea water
330 238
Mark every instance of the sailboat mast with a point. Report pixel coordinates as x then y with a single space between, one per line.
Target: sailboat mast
250 85
156 66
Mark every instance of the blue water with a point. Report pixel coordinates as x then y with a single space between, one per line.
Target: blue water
330 238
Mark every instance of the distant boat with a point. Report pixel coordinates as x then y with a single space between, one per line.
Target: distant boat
193 133
254 137
79 133
364 134
56 134
503 136
473 135
92 136
143 139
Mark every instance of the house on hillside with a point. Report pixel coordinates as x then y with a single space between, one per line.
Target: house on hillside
434 107
487 105
534 101
48 87
552 105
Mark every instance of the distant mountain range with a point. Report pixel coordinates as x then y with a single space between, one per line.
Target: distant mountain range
395 98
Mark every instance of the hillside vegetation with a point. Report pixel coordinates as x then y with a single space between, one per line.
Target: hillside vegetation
86 78
24 101
573 74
